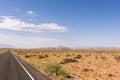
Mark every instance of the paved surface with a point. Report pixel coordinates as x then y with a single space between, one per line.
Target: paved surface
14 68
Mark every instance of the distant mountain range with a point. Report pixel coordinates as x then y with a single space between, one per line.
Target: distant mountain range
63 48
6 46
55 48
49 48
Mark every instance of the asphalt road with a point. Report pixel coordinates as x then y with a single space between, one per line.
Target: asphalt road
14 68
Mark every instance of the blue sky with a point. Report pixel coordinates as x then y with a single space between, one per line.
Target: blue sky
49 23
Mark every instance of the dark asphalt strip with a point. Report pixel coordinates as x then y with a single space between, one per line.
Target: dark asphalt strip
14 68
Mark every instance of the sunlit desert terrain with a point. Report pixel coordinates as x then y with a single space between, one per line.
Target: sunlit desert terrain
82 64
3 50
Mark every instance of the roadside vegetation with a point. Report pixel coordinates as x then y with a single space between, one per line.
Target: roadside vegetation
56 69
82 64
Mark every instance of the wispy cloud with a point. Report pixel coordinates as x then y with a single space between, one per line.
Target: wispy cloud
12 23
32 13
26 41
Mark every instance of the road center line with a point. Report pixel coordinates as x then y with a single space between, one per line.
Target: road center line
24 68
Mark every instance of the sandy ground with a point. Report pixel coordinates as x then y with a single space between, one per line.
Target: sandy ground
93 65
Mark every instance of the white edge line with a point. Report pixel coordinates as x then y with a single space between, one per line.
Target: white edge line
24 68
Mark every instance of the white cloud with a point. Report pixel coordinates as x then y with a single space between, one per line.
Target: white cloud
12 23
30 13
26 42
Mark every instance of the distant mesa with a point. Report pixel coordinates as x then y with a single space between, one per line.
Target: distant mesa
47 48
6 46
54 48
63 48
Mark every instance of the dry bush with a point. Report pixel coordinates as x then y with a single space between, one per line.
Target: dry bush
117 58
43 56
79 56
68 60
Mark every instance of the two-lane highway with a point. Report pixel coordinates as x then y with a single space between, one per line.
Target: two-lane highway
14 68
